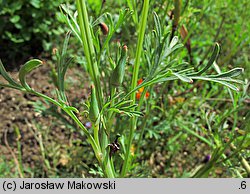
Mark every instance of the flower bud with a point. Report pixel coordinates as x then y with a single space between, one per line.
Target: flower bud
104 28
118 73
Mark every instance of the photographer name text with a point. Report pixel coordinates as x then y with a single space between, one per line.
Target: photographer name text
70 185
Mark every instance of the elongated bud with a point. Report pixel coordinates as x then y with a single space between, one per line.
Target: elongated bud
104 28
118 73
93 110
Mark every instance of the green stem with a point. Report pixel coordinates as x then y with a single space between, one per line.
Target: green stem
95 145
93 69
141 133
91 140
100 157
12 86
108 164
96 135
133 120
88 47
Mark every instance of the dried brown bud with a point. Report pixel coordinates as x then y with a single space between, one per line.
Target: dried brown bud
104 28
